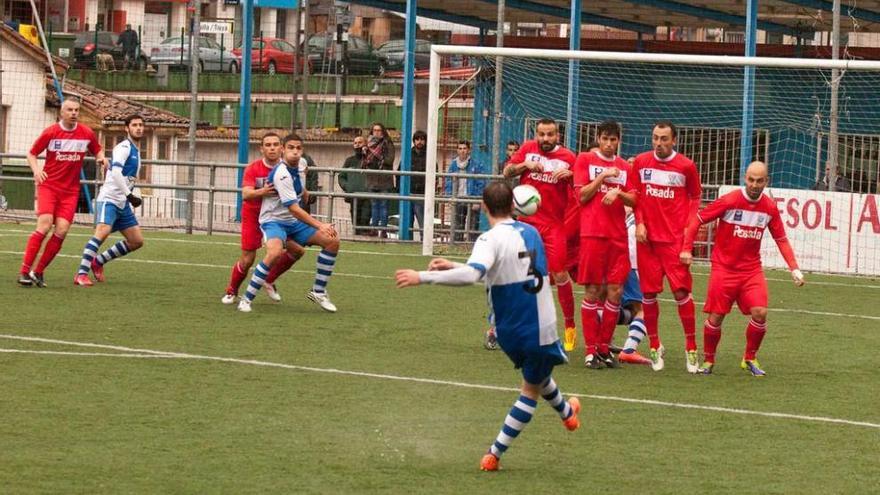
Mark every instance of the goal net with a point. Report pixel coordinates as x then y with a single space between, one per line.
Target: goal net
834 227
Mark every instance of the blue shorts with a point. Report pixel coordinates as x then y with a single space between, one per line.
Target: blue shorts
631 290
299 231
117 218
537 361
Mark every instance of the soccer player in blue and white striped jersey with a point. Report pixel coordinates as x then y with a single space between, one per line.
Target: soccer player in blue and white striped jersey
284 224
115 203
510 259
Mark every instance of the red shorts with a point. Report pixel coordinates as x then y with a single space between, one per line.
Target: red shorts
603 261
554 246
251 235
748 289
59 204
657 259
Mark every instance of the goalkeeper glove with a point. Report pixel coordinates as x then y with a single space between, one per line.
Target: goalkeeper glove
134 200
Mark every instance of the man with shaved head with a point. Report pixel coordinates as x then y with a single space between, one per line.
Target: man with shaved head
743 216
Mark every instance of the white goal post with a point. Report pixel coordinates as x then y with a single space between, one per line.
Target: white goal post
644 61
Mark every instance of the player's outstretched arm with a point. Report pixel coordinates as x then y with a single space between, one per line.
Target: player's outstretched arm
787 253
36 168
460 275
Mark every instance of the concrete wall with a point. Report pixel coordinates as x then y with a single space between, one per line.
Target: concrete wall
24 94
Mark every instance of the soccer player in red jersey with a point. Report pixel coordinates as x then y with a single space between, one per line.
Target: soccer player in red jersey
743 216
604 183
668 187
547 166
253 188
57 181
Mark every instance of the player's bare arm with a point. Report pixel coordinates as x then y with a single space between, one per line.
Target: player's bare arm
437 264
516 169
249 193
406 278
641 233
562 174
589 190
36 168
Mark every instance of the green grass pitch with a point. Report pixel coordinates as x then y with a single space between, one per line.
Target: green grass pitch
189 396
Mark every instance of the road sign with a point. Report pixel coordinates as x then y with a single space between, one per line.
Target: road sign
217 27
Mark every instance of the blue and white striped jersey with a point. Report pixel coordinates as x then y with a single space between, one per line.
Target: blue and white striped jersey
127 160
514 266
289 188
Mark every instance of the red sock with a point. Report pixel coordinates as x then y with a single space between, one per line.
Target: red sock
35 241
609 322
52 248
279 267
590 323
566 301
652 315
235 279
754 335
711 337
687 314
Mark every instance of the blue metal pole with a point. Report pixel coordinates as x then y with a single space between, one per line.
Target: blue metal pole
748 112
409 68
244 104
574 68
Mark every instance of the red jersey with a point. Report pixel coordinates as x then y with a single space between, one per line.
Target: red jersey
554 194
598 220
741 226
254 176
669 194
65 151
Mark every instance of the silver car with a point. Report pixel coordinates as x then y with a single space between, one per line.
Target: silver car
175 53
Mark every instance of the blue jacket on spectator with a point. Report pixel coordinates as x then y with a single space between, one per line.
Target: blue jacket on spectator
474 186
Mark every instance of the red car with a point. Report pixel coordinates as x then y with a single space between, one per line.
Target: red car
272 55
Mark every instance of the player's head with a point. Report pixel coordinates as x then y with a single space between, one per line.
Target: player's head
420 139
134 126
498 199
757 178
464 149
293 149
608 135
663 138
270 146
70 111
512 147
547 135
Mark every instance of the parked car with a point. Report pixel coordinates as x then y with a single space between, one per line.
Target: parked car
272 55
85 48
391 54
359 57
175 53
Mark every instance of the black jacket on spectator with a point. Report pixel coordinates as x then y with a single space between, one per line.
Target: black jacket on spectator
417 164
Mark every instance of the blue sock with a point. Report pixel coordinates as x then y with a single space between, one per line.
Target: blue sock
117 250
550 392
637 332
89 253
323 270
519 416
258 279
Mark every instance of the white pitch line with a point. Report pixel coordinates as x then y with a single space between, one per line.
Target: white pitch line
220 243
88 354
389 278
432 381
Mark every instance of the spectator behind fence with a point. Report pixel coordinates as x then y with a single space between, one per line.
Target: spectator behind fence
841 184
311 182
464 164
128 39
417 182
356 183
379 155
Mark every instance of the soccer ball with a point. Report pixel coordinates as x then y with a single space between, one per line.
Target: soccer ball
526 200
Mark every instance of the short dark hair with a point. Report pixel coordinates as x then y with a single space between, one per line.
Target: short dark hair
663 124
268 135
291 137
609 128
546 121
133 117
465 142
513 143
592 144
420 135
498 197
